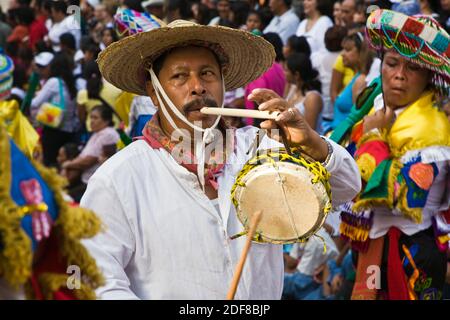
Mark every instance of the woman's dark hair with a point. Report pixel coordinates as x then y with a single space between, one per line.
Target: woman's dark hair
299 44
93 77
71 150
266 16
301 64
366 55
325 7
334 37
183 5
105 113
25 15
94 49
61 67
113 34
277 43
240 10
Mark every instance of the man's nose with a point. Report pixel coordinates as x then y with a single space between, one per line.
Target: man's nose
197 86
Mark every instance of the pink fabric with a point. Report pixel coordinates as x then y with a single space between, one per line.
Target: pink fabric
273 79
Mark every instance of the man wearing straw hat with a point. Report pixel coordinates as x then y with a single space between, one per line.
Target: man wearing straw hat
398 224
168 215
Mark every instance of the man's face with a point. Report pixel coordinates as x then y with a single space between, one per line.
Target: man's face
223 7
403 81
275 6
191 78
347 11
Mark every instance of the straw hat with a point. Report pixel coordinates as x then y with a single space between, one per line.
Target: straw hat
244 56
419 39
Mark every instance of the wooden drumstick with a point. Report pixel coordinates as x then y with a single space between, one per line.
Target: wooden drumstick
242 113
240 266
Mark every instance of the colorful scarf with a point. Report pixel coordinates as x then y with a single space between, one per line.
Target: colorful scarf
157 139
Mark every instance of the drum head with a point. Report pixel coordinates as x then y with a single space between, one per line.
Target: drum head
293 206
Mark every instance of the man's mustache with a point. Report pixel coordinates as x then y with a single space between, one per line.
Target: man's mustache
198 104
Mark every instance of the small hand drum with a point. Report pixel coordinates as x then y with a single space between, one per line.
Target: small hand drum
293 192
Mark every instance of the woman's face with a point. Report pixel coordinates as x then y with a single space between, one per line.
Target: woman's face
403 81
309 6
97 123
253 22
107 38
337 11
290 78
350 54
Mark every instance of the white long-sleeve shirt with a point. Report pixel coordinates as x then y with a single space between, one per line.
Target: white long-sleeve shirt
285 25
164 239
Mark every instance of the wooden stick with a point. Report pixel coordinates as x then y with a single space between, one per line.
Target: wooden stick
240 266
242 113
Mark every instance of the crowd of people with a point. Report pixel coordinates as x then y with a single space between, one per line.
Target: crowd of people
325 59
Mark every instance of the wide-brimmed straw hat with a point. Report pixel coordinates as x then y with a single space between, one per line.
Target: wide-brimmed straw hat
419 39
243 56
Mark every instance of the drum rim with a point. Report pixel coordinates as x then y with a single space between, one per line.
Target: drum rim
282 156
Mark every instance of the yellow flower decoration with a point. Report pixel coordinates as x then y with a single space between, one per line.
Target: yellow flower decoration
366 164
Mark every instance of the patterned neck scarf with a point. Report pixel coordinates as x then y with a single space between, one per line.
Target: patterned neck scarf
216 158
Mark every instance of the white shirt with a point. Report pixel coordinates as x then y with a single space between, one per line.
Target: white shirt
312 254
323 61
285 25
94 148
68 24
316 35
163 237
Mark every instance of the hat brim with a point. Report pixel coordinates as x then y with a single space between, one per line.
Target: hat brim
123 63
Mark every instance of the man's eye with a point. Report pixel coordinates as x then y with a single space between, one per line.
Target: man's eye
179 76
208 73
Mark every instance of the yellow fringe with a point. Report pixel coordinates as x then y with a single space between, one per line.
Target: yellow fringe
353 233
72 224
15 255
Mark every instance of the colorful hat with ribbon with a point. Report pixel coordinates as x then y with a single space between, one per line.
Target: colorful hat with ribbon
40 232
129 22
6 75
419 39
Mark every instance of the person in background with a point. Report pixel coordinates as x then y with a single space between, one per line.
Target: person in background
316 23
356 55
296 45
109 36
306 92
224 17
53 138
323 61
254 21
274 78
337 13
103 134
285 21
62 23
348 9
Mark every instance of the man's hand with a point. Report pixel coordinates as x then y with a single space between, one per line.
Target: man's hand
382 119
290 120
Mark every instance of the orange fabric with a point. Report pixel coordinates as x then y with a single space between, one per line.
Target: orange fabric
372 257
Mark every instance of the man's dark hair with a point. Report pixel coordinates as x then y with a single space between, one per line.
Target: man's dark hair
68 40
59 6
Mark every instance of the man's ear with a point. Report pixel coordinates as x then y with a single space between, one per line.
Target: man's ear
151 93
